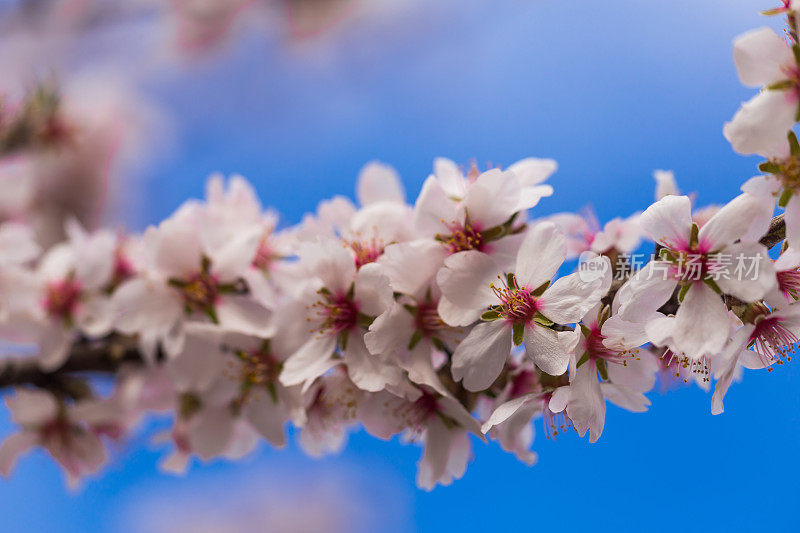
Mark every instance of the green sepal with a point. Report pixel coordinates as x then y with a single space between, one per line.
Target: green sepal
438 344
585 330
584 358
695 236
543 320
365 321
511 281
794 146
273 392
601 368
492 234
415 338
780 85
211 313
518 333
774 11
683 291
769 167
713 284
343 339
538 291
490 315
786 195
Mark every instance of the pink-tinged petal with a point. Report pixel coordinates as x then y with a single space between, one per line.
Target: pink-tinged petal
267 417
13 447
792 221
625 334
506 410
625 397
94 316
701 323
367 371
747 285
378 182
529 196
94 260
17 244
644 293
492 198
390 331
383 414
665 184
241 314
466 278
32 407
372 290
312 360
541 254
763 186
142 305
761 124
54 347
446 454
543 347
568 299
331 262
480 357
420 367
450 177
515 435
637 374
200 362
669 220
761 57
412 266
533 171
587 407
176 247
211 431
724 380
232 258
434 209
452 408
745 214
454 315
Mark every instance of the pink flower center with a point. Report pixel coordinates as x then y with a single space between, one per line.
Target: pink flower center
772 341
200 292
517 304
338 312
597 350
789 284
62 298
366 251
265 256
427 319
462 237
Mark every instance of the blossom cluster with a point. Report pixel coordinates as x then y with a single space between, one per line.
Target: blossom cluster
458 313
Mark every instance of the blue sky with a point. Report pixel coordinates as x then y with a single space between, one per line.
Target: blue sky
612 90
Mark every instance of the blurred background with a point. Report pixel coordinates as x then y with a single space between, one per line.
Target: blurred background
297 95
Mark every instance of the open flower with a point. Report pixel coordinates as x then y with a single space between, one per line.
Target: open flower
721 257
516 307
764 59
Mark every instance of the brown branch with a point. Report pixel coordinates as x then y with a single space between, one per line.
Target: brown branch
103 356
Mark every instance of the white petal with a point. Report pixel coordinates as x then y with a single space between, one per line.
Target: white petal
412 266
669 220
367 371
792 221
242 314
506 410
14 446
543 347
761 124
267 417
569 298
466 278
734 221
492 198
378 182
701 323
480 357
312 360
372 290
746 284
390 331
761 57
540 255
532 170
